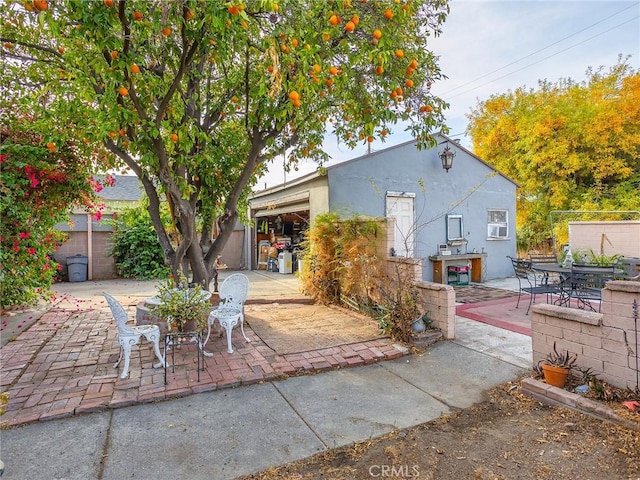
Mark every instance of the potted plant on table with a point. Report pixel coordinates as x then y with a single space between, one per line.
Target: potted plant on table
557 366
184 308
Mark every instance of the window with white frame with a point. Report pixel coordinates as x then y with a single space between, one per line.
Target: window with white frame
498 224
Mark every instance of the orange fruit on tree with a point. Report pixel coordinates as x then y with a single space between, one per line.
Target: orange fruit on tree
350 26
114 54
393 94
379 69
334 20
409 71
388 14
108 3
317 68
295 43
166 31
135 68
296 102
174 137
123 91
399 91
8 45
414 63
326 37
40 5
409 83
399 53
370 139
189 14
51 146
137 16
122 132
293 95
383 133
333 70
60 50
377 34
113 134
233 9
426 108
329 82
270 69
355 19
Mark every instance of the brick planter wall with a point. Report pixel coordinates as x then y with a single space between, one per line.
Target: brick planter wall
606 342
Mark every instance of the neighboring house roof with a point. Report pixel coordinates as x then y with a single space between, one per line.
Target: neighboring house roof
126 188
313 175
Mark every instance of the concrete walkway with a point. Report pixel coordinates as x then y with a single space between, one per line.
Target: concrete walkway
227 433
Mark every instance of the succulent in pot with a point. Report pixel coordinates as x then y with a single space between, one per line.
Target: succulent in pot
557 366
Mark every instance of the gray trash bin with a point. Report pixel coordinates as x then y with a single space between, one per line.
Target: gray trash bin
77 268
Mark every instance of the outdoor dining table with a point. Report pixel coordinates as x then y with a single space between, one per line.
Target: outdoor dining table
572 280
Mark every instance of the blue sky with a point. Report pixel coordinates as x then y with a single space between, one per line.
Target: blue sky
492 46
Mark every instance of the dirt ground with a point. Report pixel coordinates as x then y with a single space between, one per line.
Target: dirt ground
509 437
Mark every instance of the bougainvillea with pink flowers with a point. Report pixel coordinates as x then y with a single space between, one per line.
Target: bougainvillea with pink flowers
39 184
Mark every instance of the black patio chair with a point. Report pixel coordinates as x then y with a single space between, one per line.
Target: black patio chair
630 267
528 281
544 258
587 282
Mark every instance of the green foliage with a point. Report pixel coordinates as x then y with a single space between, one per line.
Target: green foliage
593 258
38 187
199 97
136 249
344 264
570 146
183 308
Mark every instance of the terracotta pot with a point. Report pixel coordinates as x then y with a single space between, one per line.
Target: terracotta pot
556 376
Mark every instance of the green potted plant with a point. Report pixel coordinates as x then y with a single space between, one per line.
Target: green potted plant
557 366
184 308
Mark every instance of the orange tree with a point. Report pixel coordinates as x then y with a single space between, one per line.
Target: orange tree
197 97
570 146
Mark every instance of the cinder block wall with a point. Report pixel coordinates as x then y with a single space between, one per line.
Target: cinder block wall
610 238
436 299
606 342
440 302
102 264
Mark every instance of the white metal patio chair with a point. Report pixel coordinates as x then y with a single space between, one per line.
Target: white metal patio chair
128 336
230 312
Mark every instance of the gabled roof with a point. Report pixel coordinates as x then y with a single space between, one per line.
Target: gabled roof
306 178
126 188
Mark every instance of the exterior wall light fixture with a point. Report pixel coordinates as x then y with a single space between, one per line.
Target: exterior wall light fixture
447 158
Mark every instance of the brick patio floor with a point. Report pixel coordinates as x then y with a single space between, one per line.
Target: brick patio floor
63 366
